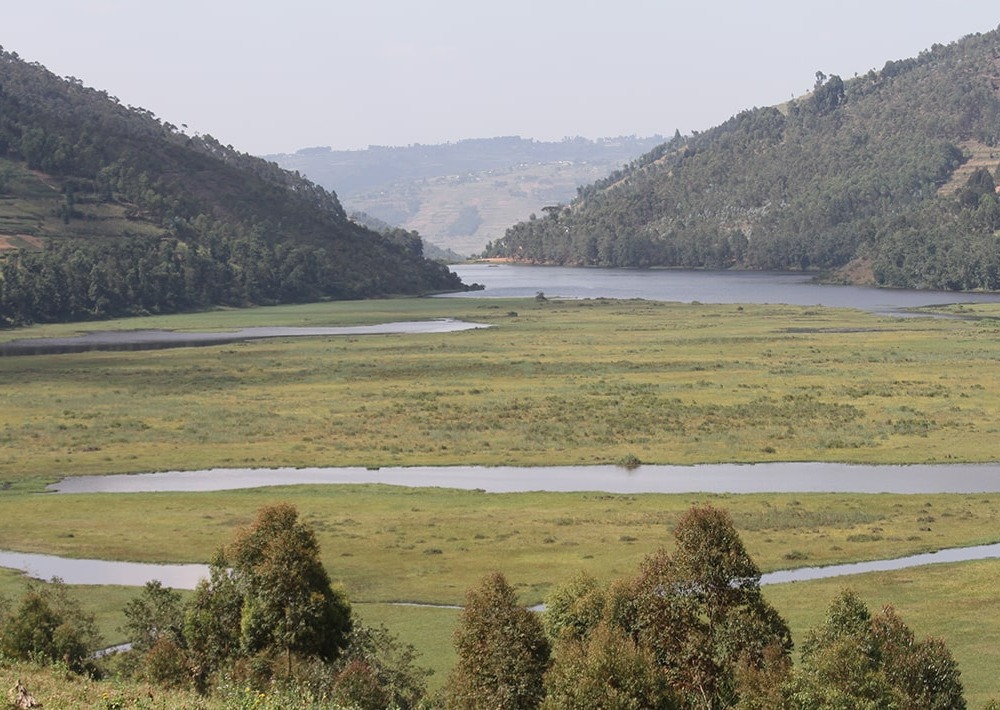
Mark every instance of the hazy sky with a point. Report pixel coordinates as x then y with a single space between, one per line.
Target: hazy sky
271 76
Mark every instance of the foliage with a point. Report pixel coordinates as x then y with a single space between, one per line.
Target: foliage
853 172
225 227
379 671
502 651
287 599
212 622
856 660
157 613
48 625
574 608
700 611
154 628
606 669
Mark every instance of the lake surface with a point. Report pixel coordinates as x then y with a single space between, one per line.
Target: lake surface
157 339
792 477
511 280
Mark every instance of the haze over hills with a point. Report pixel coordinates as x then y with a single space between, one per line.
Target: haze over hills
105 210
461 195
890 176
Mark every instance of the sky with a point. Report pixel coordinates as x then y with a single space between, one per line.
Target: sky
275 76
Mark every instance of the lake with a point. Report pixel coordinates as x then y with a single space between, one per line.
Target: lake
731 478
186 576
518 281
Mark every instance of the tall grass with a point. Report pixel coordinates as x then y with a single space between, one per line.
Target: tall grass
580 382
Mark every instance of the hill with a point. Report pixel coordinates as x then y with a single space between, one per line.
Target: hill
105 210
889 177
461 195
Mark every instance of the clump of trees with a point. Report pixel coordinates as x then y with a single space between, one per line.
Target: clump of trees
269 617
690 630
222 227
49 626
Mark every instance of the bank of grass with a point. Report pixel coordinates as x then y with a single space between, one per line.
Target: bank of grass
551 382
576 382
429 545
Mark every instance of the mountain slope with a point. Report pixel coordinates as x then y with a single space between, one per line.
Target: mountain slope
867 172
136 216
461 195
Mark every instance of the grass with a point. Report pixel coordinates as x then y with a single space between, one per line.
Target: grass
552 382
558 383
429 545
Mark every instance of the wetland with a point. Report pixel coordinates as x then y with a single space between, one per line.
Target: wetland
618 386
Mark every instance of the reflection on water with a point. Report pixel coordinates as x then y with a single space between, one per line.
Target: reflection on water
159 339
512 280
791 477
128 574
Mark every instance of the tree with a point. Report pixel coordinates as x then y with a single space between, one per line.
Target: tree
268 592
288 601
856 660
573 609
606 669
49 625
155 614
502 651
212 621
701 613
379 671
154 626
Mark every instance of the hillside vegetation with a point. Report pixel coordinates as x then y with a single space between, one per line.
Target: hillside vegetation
892 173
105 210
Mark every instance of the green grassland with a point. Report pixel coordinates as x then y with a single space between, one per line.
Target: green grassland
551 382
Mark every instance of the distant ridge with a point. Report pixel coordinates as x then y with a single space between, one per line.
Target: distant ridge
888 178
105 210
461 195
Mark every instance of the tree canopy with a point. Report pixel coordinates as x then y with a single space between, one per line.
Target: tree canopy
886 172
113 212
502 651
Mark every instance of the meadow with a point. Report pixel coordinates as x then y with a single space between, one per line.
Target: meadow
577 382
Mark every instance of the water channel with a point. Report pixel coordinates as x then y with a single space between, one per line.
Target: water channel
507 280
719 478
159 339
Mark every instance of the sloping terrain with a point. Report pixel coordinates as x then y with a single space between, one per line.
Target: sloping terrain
105 210
893 173
461 195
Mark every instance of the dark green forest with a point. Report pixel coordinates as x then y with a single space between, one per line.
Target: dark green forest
105 210
891 174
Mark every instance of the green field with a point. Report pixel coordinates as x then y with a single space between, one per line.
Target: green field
551 382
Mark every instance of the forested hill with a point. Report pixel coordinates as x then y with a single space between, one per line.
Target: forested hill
891 174
106 210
